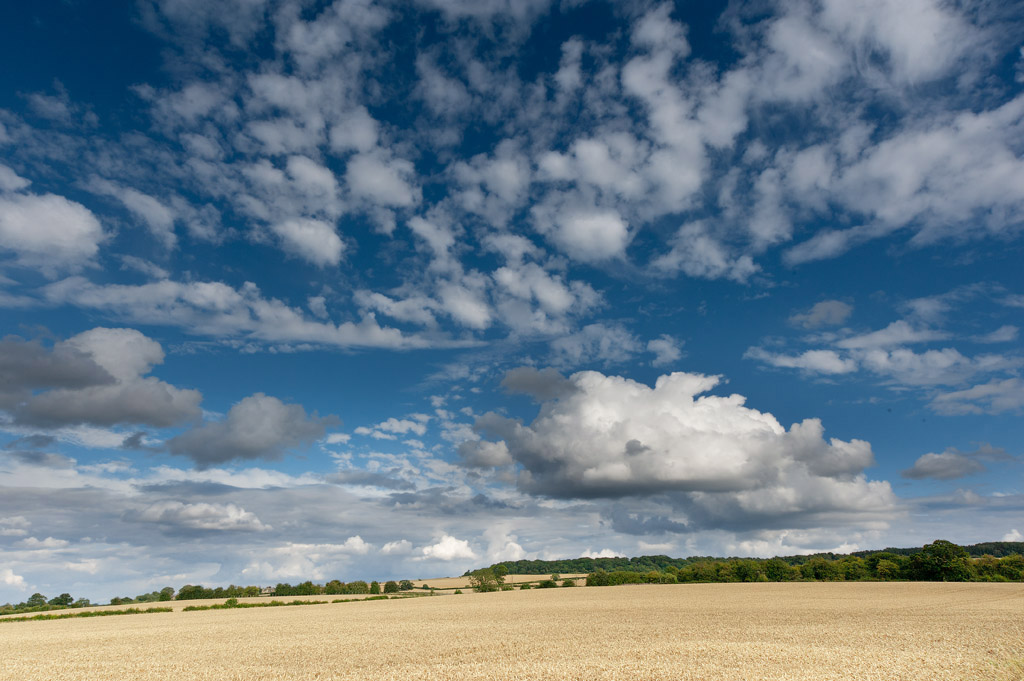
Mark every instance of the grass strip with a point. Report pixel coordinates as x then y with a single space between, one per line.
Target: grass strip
94 613
232 604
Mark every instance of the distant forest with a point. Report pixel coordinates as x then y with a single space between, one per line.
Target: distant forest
939 561
995 549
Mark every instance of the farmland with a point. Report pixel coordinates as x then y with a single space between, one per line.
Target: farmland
699 631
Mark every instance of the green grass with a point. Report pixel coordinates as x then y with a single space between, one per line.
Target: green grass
228 605
94 613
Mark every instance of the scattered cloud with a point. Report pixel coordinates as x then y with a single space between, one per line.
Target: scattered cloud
824 313
257 427
176 515
448 548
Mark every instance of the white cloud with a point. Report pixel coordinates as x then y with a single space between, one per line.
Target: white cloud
259 426
313 240
465 303
14 526
448 548
48 543
10 181
697 253
603 553
48 231
158 218
355 545
666 350
920 39
590 236
1013 535
502 546
949 465
392 427
8 578
995 397
202 516
219 310
1004 334
824 313
89 566
727 464
445 96
815 361
381 181
899 332
605 343
397 548
132 397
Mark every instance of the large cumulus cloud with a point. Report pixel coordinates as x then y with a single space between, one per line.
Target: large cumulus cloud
97 377
716 461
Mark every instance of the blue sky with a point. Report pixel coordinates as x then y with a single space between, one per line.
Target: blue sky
302 290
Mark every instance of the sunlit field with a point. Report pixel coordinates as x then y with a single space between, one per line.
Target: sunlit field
861 631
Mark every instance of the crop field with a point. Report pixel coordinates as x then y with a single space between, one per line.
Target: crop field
863 631
514 580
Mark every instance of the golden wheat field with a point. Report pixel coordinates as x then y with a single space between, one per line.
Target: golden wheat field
701 631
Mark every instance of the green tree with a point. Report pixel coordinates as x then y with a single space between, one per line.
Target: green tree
887 570
778 570
64 599
167 593
1012 567
390 587
405 585
941 561
746 570
485 580
852 568
375 587
821 569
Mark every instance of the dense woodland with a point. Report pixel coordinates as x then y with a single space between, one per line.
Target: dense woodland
938 561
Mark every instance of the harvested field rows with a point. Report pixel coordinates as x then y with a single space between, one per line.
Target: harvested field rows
702 631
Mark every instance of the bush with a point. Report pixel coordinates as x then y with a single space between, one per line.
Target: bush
568 582
458 591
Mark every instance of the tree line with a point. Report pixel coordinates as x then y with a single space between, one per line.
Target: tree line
39 603
939 561
661 563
